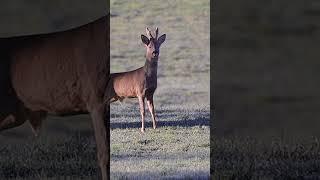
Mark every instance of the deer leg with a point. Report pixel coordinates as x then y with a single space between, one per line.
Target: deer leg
13 120
35 120
151 109
114 99
10 122
141 103
98 115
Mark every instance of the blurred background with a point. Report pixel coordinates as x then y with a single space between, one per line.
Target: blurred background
266 68
266 89
18 17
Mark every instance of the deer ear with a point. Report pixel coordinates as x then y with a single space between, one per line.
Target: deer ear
144 39
162 38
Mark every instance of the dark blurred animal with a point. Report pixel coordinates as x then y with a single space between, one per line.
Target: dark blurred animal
141 83
63 73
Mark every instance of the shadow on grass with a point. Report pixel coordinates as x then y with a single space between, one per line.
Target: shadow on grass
183 123
196 174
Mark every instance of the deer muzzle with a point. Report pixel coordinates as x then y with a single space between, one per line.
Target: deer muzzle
155 53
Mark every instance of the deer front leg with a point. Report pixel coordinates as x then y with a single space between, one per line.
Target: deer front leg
141 103
151 109
98 115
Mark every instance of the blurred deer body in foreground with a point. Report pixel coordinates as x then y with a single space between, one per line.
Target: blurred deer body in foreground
62 73
142 82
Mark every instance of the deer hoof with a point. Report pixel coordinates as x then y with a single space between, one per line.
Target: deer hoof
142 130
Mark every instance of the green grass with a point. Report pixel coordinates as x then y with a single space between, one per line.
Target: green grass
178 148
164 152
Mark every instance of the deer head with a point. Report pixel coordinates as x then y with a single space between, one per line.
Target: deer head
152 43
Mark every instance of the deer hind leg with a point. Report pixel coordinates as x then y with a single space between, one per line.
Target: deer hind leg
151 109
101 132
21 116
11 121
14 119
35 119
141 103
114 99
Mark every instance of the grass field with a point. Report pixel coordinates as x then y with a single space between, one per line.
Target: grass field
251 158
178 148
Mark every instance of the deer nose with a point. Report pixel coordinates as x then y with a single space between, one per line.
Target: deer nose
155 53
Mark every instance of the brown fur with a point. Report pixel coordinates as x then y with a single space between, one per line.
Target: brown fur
61 73
140 83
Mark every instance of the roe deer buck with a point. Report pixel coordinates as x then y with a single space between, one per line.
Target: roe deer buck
62 73
141 83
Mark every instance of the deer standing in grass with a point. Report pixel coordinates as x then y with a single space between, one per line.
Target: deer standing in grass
141 83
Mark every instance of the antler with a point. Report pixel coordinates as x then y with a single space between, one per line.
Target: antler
157 31
149 34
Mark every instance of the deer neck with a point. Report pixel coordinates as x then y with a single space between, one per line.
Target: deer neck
151 67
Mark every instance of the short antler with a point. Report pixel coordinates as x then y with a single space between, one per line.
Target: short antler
148 32
157 31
